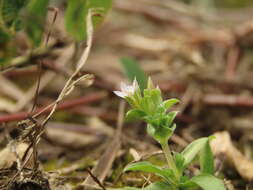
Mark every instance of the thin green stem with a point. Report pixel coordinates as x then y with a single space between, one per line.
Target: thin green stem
170 159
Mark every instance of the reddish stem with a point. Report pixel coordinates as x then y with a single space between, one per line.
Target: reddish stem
65 105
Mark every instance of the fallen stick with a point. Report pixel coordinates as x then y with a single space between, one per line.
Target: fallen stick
65 105
228 100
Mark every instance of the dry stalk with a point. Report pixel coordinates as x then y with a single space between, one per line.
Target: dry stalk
68 87
70 83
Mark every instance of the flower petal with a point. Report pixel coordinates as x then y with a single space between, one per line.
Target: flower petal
120 94
123 86
129 90
135 84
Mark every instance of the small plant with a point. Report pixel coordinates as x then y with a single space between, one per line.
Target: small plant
150 107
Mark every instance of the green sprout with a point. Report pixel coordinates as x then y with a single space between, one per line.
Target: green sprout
149 107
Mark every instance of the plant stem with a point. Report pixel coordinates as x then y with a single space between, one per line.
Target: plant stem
170 159
64 105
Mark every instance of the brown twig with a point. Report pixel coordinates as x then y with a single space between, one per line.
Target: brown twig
96 179
232 62
39 66
228 100
65 105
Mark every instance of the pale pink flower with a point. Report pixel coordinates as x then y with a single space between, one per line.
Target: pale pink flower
127 90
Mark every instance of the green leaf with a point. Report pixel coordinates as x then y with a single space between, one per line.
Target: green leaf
169 103
151 130
151 101
193 149
208 182
153 186
159 133
102 7
76 13
154 96
75 18
10 10
142 166
148 167
171 116
133 70
134 114
4 37
206 160
179 161
147 105
188 185
35 18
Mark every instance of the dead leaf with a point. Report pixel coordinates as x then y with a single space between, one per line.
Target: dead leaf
222 144
8 155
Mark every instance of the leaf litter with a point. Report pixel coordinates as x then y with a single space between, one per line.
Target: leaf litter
210 73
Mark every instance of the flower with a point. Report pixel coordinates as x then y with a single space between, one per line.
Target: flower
127 90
